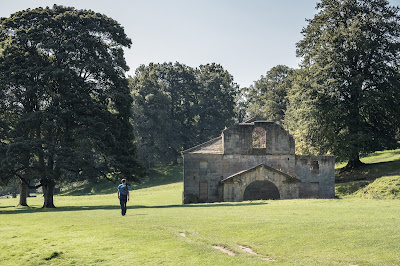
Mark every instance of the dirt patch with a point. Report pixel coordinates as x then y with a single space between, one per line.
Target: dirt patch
252 252
227 251
248 250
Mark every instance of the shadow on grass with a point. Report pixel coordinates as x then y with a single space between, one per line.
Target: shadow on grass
159 176
368 172
19 210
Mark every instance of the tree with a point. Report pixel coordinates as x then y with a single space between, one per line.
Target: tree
162 95
301 113
351 52
176 107
267 97
214 106
63 87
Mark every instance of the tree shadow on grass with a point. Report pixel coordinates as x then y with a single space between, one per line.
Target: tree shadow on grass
368 172
163 175
20 210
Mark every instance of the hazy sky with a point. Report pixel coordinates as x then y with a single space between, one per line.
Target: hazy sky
247 37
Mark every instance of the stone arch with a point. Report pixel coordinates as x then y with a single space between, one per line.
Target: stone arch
273 184
261 190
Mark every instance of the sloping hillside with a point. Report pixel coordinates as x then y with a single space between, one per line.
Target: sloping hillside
379 178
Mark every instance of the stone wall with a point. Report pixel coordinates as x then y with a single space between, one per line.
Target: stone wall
202 168
317 174
238 149
212 168
234 187
238 139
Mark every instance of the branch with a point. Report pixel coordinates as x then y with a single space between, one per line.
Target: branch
106 177
27 183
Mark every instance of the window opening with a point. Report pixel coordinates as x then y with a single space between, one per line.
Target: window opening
314 167
259 138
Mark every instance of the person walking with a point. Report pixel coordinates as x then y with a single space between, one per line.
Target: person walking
123 195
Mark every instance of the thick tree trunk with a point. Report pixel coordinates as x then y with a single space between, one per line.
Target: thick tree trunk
23 191
48 192
354 162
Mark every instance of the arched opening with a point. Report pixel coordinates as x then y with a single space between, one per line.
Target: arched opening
261 190
259 138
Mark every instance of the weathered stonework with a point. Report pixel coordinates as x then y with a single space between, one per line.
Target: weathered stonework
254 160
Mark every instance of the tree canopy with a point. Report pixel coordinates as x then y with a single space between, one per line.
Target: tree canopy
64 98
176 107
350 56
267 97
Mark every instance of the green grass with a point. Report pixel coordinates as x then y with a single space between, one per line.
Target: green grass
378 178
387 187
86 228
376 157
158 176
89 230
377 164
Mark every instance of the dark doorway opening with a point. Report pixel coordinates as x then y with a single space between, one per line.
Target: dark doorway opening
261 190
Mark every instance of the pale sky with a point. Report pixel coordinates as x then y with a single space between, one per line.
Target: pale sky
247 37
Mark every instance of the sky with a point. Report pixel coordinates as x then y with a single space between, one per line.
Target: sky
247 37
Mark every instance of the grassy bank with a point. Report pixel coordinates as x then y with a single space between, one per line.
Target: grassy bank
379 178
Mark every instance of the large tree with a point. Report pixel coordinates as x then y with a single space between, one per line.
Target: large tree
64 98
350 52
162 95
176 106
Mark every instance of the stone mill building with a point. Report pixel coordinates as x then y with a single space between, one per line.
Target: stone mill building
251 161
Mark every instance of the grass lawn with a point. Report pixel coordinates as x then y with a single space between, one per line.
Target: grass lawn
89 230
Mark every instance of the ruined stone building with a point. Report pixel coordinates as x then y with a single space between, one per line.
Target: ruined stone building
251 161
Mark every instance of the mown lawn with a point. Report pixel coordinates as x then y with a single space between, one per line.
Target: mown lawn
89 230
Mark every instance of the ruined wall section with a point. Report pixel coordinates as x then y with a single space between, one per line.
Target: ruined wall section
202 174
210 169
234 163
237 150
317 174
238 139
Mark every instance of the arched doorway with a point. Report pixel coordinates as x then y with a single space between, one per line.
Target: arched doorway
261 190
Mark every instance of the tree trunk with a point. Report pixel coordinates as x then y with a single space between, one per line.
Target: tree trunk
48 192
354 162
23 191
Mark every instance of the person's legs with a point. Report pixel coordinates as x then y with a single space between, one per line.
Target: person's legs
124 210
122 202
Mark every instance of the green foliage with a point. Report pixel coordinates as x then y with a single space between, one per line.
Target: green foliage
64 98
350 53
176 107
267 97
300 117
